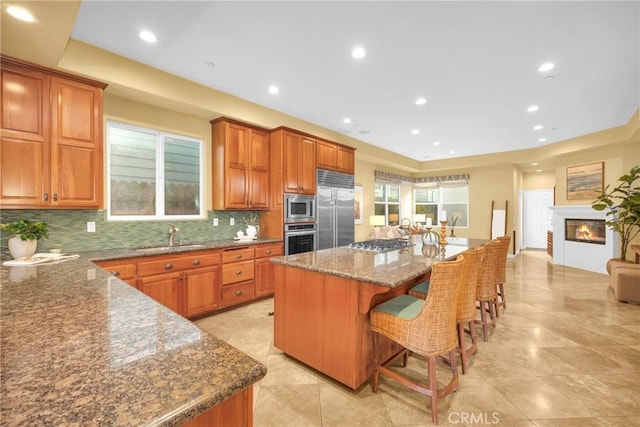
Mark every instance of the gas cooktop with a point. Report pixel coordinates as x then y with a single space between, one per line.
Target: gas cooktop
381 245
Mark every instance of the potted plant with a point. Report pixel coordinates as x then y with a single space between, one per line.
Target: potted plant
622 205
24 235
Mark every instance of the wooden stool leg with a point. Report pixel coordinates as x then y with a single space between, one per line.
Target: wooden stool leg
376 372
461 349
433 386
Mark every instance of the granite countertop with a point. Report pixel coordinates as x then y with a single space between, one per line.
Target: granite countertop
123 253
388 269
81 347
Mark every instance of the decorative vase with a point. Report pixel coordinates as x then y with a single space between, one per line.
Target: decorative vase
22 248
252 231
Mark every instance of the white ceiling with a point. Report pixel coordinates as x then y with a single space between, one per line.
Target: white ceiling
475 62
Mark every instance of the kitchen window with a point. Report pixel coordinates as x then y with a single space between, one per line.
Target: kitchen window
387 202
153 174
454 199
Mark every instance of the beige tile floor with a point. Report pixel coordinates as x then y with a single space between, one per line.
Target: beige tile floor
565 353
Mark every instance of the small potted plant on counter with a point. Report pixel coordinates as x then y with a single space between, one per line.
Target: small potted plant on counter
622 205
23 236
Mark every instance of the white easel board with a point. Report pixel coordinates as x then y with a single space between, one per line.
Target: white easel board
498 223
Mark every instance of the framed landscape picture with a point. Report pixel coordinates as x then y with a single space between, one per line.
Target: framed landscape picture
585 181
357 204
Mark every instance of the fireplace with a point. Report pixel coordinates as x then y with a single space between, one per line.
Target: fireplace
585 230
581 239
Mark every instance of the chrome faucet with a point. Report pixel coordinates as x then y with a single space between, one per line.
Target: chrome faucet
172 234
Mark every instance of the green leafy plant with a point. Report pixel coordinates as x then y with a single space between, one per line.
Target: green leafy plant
622 205
27 229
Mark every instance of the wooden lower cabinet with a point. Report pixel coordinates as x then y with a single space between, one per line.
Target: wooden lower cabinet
198 283
201 291
164 288
236 411
264 279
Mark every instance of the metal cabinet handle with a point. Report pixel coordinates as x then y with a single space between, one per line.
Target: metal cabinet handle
238 272
196 262
46 197
55 197
115 273
238 256
269 252
168 266
238 293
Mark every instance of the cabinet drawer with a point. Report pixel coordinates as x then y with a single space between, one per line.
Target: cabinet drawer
237 272
269 251
177 263
119 270
237 255
237 293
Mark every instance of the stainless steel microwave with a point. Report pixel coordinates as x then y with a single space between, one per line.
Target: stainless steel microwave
299 208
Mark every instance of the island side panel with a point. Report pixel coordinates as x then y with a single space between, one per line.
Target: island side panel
322 320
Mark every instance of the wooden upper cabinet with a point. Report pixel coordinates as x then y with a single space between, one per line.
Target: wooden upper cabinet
335 157
299 163
51 142
240 165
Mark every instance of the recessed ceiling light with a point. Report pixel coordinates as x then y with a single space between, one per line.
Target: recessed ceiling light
274 90
421 101
210 64
542 140
20 13
533 108
415 132
452 152
436 143
147 36
549 77
534 164
547 66
538 127
346 120
538 170
358 52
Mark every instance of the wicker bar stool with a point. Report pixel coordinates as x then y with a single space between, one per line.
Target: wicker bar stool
466 307
486 293
466 302
423 327
501 273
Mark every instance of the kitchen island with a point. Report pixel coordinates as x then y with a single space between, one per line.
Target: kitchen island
81 347
322 301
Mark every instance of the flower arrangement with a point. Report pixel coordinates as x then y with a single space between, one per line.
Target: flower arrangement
251 220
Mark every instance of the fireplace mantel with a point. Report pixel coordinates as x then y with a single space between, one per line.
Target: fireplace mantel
581 255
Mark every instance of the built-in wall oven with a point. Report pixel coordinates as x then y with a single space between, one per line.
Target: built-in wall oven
300 237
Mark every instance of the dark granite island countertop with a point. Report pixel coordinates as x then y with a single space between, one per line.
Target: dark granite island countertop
80 347
389 269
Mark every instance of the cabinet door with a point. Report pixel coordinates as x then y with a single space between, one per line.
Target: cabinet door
202 291
259 170
307 171
76 144
292 159
326 155
264 279
345 160
164 288
24 141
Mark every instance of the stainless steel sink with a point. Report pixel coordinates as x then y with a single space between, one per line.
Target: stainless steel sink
167 248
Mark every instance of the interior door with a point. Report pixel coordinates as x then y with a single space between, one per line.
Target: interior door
537 217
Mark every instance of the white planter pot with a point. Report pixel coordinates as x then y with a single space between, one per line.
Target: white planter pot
22 248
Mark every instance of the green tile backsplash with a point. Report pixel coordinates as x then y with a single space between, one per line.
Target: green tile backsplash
68 229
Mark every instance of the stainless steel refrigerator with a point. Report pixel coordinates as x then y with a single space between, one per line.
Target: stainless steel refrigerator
335 209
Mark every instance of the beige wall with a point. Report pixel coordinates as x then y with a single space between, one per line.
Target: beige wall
539 180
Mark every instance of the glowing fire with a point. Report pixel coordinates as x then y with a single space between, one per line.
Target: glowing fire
583 232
